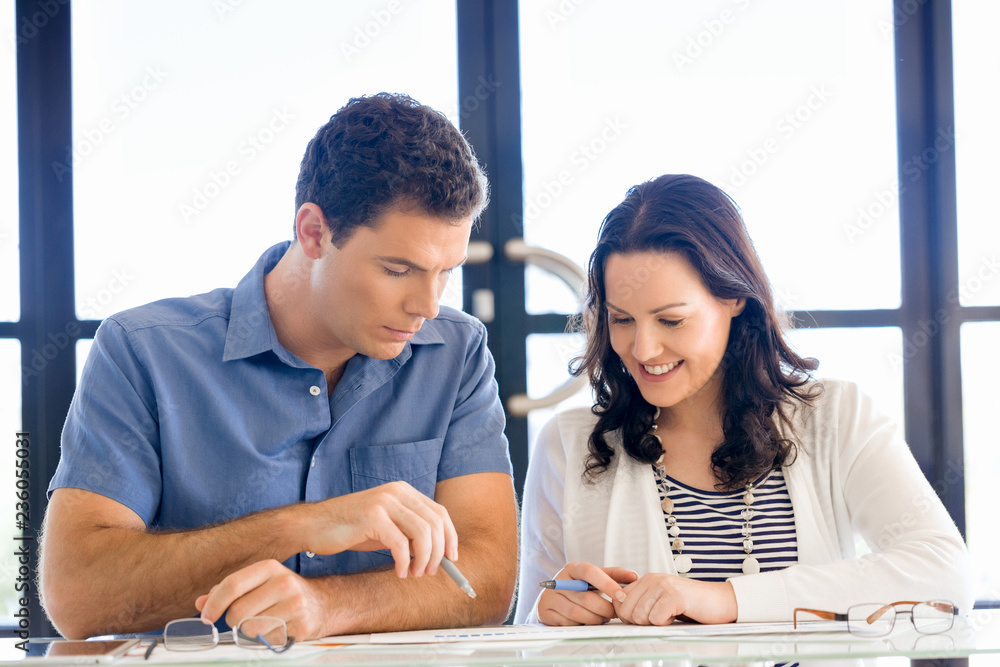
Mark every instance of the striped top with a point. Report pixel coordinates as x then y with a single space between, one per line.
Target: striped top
711 526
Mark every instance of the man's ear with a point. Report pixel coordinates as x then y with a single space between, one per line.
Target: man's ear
311 229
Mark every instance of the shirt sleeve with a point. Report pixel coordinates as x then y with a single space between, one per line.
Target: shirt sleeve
916 553
543 551
475 441
110 442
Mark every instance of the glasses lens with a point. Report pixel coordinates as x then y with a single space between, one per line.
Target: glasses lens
266 632
933 617
189 634
870 620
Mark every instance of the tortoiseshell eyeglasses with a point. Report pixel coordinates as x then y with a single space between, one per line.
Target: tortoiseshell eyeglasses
875 620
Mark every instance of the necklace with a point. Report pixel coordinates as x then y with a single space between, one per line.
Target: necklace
682 561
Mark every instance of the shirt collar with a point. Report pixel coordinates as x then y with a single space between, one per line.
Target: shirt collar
428 334
251 331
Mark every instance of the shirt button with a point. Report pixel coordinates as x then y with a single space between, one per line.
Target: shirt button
314 390
313 462
309 554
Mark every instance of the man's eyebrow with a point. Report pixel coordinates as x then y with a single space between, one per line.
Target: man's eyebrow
653 311
416 267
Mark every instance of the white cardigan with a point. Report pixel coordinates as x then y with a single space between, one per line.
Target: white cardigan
854 477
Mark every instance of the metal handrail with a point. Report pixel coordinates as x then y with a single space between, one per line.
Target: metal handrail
519 405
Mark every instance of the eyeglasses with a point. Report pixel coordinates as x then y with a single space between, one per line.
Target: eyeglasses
877 619
255 632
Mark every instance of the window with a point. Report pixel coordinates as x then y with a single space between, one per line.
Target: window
976 138
976 142
10 296
982 456
10 418
174 197
798 125
185 152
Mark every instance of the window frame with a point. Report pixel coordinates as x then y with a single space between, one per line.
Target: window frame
488 46
929 316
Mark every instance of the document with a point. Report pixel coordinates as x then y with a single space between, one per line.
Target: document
612 630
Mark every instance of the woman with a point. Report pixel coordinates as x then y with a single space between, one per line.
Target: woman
715 479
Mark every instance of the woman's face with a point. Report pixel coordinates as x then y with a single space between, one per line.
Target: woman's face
668 329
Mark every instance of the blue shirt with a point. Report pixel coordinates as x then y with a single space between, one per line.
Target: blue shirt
190 412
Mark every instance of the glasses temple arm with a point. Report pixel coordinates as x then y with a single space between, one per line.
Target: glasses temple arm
826 615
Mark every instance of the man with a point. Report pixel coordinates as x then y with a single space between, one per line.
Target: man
312 443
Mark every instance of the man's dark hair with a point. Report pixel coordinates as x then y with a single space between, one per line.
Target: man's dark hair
388 150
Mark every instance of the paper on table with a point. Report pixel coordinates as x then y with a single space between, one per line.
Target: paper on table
221 653
608 631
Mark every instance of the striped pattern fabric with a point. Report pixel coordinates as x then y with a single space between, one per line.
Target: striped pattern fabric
712 528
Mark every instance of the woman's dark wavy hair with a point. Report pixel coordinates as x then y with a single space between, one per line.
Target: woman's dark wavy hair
385 150
763 377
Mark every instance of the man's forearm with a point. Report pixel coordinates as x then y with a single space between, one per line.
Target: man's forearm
381 602
103 572
109 579
485 514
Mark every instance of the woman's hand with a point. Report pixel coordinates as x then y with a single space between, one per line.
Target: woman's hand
587 607
657 599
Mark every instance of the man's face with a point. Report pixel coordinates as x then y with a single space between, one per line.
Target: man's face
375 291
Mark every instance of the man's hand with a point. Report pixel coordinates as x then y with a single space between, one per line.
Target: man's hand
98 552
268 588
657 599
103 572
587 607
393 516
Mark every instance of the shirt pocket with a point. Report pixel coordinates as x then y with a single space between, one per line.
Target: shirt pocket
415 463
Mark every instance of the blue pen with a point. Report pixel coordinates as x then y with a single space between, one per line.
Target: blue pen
568 585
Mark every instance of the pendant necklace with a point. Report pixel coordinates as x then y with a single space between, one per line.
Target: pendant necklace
682 561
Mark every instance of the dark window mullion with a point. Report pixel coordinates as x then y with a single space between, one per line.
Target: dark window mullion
489 94
48 315
979 314
928 236
844 318
10 329
950 478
